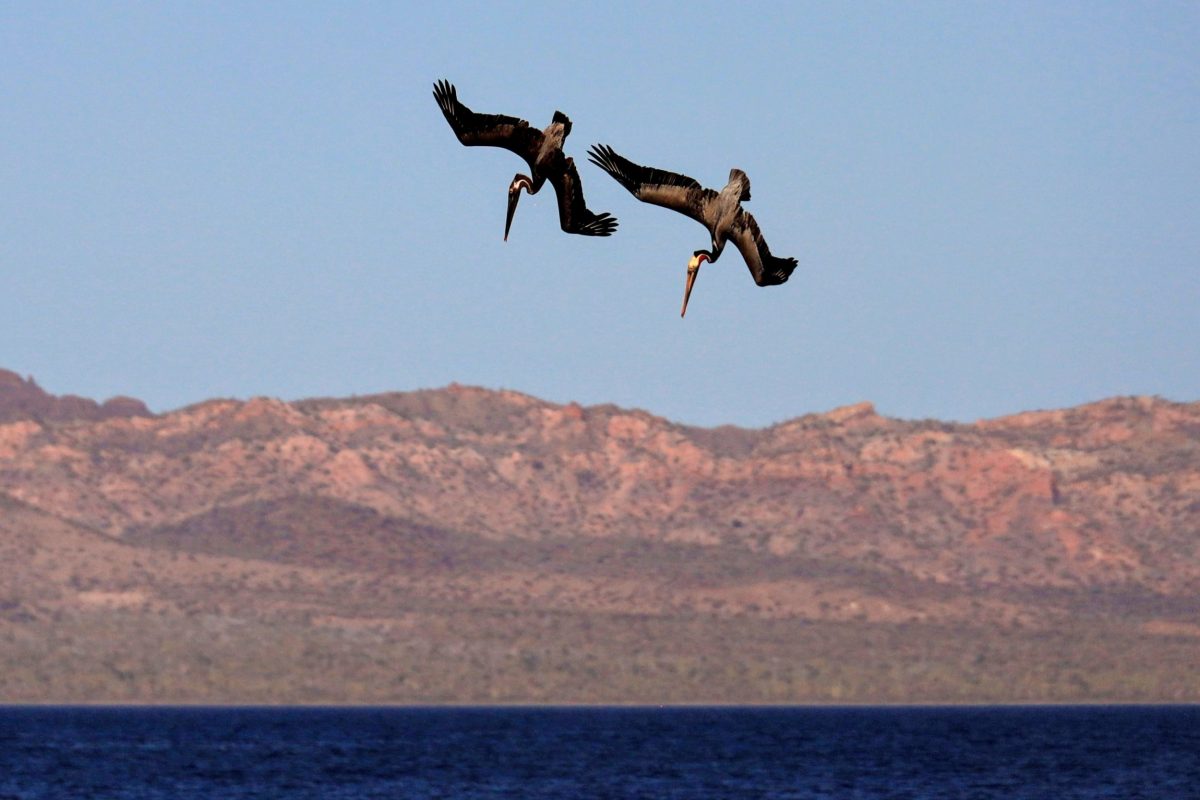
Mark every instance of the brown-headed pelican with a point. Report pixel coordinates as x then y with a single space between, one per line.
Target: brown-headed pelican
720 212
542 150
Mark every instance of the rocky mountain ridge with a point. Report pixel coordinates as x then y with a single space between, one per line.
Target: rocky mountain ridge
469 503
21 398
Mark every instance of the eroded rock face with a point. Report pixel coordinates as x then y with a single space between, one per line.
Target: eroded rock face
1104 494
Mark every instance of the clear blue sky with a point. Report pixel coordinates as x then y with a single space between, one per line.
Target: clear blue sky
995 206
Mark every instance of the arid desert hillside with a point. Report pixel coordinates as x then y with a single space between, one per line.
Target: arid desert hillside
469 545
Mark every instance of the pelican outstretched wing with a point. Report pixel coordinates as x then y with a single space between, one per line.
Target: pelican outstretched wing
767 269
494 130
658 186
573 213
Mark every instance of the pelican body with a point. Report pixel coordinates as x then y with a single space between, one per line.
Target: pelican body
720 212
542 151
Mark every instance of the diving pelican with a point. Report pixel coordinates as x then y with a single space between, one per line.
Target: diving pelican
542 150
721 212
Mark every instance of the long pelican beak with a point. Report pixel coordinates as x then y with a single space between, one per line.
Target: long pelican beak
692 272
514 195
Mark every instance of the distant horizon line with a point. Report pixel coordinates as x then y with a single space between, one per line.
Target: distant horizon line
845 410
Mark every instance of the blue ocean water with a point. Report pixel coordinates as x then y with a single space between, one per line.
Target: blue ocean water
531 753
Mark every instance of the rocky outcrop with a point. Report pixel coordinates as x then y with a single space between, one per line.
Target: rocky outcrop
22 399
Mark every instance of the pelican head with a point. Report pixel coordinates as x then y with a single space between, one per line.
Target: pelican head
698 258
514 194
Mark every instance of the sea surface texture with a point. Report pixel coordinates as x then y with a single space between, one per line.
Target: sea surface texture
530 753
